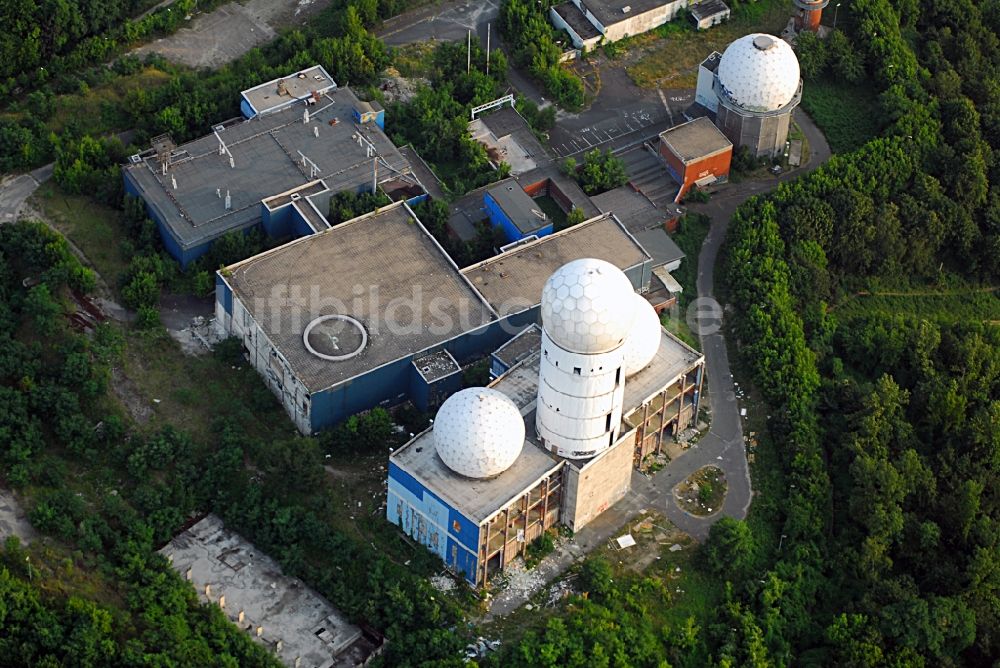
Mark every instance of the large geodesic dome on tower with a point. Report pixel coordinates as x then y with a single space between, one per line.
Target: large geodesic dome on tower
478 432
752 88
587 306
759 73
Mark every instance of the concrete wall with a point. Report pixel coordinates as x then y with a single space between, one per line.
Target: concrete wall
433 523
765 136
687 174
578 42
600 484
640 23
715 20
705 92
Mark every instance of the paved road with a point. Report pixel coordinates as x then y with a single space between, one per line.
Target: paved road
15 190
443 21
723 446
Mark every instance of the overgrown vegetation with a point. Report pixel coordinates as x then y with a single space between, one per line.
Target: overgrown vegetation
601 171
525 25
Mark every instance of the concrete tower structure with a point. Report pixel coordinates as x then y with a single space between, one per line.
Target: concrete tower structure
756 87
809 14
587 313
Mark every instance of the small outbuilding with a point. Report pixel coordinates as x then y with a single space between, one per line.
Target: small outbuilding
513 211
696 153
708 13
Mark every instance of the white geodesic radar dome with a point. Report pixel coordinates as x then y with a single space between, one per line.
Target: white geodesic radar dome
587 306
759 73
644 339
478 432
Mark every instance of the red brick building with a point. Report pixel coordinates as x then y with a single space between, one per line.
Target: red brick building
696 153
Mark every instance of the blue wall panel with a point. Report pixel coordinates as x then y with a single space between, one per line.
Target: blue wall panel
223 294
277 223
246 109
427 518
499 218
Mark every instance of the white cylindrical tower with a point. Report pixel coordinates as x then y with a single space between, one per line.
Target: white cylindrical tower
587 313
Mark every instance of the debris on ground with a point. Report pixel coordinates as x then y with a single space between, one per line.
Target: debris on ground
442 583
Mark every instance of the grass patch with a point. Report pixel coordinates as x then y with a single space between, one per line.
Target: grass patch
689 238
414 60
703 492
97 110
97 230
846 113
672 61
943 305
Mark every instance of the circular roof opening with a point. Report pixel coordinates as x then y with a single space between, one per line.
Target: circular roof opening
763 42
335 337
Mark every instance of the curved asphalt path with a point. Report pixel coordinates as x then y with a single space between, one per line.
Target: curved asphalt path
723 445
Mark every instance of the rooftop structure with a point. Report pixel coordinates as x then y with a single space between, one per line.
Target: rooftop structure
664 251
510 209
513 281
285 91
299 625
708 13
198 191
695 140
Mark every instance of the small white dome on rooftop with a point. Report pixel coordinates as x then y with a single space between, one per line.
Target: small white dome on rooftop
759 73
587 306
478 432
644 339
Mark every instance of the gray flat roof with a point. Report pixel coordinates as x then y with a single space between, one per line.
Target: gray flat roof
707 8
475 499
660 246
265 153
520 346
673 358
382 269
695 140
527 217
575 19
609 12
307 625
435 366
633 209
265 97
513 281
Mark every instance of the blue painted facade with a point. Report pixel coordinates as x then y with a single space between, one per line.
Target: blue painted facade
432 522
184 256
393 382
277 223
374 116
223 294
499 218
426 396
246 109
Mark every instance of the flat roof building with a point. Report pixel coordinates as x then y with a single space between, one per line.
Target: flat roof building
285 91
611 19
301 627
513 281
478 526
696 153
332 321
205 188
510 209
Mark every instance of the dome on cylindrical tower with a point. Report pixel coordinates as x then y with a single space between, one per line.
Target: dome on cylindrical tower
644 339
587 306
478 432
759 73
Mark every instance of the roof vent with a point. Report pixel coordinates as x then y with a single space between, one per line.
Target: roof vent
626 9
763 42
